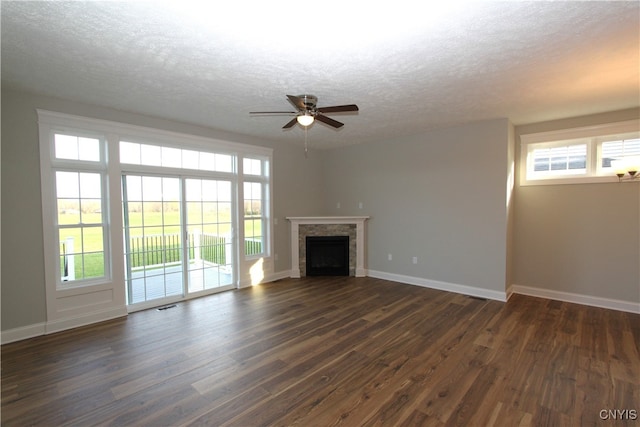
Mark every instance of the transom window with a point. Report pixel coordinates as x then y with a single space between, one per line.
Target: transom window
156 155
614 152
579 155
74 147
252 166
566 159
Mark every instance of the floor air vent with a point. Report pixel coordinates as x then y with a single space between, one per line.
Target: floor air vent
166 307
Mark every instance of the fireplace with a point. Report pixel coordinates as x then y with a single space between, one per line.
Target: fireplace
352 226
327 255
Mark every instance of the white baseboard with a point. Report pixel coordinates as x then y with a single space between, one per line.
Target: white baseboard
443 286
30 331
44 328
278 276
613 304
22 333
84 320
272 277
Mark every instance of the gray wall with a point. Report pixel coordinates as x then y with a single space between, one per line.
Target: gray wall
583 238
23 292
440 197
297 191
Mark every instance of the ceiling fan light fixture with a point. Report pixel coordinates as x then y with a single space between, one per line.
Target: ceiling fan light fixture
305 119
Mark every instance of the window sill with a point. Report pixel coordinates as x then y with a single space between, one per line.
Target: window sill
570 181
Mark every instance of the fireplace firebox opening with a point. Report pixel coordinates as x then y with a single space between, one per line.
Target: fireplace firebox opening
327 255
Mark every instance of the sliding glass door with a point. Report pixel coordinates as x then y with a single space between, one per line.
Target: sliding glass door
208 220
178 236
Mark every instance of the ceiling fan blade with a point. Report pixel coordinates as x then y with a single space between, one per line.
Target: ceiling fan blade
338 108
298 102
273 112
291 123
329 121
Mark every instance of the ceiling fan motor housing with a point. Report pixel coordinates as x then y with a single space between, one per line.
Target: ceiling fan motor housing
310 101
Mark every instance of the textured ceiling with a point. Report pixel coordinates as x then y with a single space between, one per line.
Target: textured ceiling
409 70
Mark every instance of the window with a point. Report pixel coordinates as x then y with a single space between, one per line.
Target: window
255 201
616 152
90 202
82 229
252 167
579 155
253 219
155 155
565 159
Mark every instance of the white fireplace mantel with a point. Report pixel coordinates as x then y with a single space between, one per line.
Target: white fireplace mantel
296 221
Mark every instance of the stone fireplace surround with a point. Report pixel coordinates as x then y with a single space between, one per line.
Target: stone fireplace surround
353 226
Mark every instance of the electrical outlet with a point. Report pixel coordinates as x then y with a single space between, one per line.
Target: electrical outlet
389 257
338 205
415 259
360 205
275 221
275 257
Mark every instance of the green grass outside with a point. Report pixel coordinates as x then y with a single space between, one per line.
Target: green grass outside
89 239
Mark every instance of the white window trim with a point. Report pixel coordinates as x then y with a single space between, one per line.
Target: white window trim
592 134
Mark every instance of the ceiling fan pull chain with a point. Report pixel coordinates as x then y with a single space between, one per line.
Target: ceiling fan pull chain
306 147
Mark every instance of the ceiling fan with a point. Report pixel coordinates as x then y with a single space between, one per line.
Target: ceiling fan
308 111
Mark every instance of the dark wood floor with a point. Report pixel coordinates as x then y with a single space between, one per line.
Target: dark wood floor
332 351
